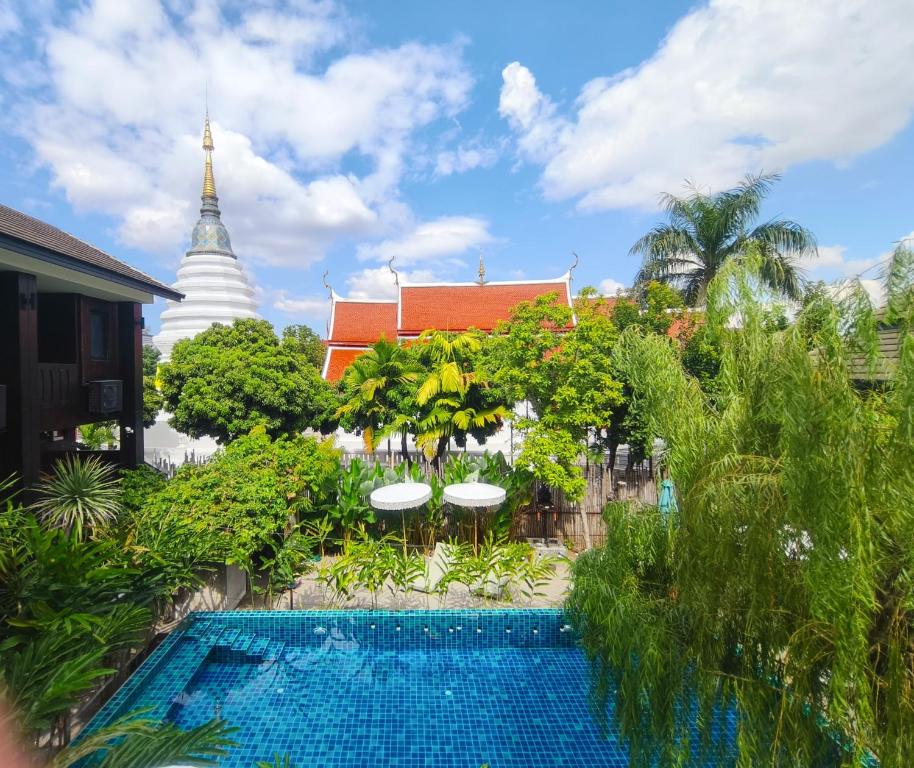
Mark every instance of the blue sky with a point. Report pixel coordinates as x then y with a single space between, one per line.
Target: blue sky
347 133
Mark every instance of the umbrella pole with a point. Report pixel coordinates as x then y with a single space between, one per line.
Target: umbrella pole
403 525
475 533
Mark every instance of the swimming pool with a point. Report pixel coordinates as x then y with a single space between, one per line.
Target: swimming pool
335 689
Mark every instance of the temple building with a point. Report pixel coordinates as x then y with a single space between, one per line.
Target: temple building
215 287
216 290
356 324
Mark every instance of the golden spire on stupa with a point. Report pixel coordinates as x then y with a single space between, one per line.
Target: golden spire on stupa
209 181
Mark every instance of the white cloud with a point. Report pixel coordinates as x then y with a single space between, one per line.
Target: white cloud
463 159
379 282
610 287
120 126
737 86
308 306
441 240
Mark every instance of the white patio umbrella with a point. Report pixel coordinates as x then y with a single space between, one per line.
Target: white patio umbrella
476 496
400 497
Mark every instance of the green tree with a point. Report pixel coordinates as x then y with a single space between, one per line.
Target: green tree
151 357
782 590
153 402
229 379
565 372
369 387
307 342
707 230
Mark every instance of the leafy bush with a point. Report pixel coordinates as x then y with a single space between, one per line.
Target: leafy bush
239 503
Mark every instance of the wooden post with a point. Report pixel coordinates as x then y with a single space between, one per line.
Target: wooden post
20 445
130 357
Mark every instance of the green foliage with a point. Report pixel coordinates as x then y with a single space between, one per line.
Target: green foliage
235 506
63 599
94 436
706 231
151 357
454 395
499 568
290 558
701 358
137 486
135 742
566 374
355 484
279 761
229 379
153 401
80 496
372 391
784 591
307 343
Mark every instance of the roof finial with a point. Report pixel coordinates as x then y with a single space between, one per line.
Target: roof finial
574 266
209 181
482 270
327 285
390 266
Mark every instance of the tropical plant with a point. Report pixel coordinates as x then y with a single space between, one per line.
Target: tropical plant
290 559
499 568
133 741
779 599
279 761
80 496
94 436
229 379
707 230
351 507
368 390
454 395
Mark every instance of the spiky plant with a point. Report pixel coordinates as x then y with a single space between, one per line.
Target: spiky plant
81 495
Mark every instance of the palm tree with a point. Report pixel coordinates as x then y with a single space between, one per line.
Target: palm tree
453 394
367 385
80 495
705 230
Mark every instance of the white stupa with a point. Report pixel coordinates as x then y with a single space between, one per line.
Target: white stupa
215 287
216 290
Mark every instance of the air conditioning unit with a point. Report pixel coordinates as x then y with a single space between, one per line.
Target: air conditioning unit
106 396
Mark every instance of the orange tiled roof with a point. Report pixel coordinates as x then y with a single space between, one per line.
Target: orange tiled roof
338 360
459 307
363 322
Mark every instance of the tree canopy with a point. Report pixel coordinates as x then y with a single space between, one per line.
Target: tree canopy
307 342
780 595
705 231
229 379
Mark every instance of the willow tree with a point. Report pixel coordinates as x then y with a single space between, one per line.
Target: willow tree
780 598
706 231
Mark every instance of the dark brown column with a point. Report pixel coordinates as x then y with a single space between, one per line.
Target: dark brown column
20 444
130 355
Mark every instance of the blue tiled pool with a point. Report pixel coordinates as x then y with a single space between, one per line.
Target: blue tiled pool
418 688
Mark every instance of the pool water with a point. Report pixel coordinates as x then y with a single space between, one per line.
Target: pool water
410 689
